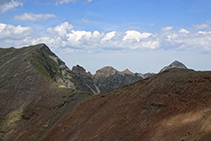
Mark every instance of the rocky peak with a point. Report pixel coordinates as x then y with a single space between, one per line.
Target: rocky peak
175 64
46 49
106 71
126 71
79 70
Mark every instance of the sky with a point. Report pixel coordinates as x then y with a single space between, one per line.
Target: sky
139 35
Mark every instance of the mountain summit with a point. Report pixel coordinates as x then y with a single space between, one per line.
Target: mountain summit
175 64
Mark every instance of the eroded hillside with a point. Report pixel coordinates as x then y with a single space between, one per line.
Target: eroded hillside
172 105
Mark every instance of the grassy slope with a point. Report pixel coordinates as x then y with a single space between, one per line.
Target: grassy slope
31 101
173 105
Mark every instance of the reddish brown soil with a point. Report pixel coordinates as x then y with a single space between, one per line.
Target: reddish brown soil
174 105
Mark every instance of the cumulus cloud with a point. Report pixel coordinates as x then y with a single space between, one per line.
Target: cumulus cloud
61 30
184 31
64 36
132 34
201 26
108 36
9 5
8 31
34 17
185 40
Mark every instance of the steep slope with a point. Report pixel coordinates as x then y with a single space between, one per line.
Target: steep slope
36 91
172 105
83 80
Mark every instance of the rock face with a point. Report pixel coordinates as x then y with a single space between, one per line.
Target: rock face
109 78
126 72
54 66
83 80
79 70
146 75
175 64
105 79
106 72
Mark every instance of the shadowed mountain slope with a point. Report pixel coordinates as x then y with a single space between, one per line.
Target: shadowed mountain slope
172 105
105 79
36 91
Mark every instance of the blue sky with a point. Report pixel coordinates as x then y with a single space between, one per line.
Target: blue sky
140 35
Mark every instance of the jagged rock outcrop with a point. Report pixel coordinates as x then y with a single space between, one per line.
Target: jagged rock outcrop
146 75
52 66
175 64
105 72
79 70
105 79
83 80
108 78
126 71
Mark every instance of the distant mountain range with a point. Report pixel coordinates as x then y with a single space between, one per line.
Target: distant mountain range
108 78
37 89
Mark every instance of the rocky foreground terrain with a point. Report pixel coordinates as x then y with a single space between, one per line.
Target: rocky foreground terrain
42 99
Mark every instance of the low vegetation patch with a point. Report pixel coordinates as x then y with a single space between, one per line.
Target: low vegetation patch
154 106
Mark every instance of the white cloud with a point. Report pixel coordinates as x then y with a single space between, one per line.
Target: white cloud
10 5
34 17
184 31
75 36
178 40
132 34
168 28
108 36
201 26
64 36
61 30
8 31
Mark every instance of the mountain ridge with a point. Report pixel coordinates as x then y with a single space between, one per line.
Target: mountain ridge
105 79
32 98
38 92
